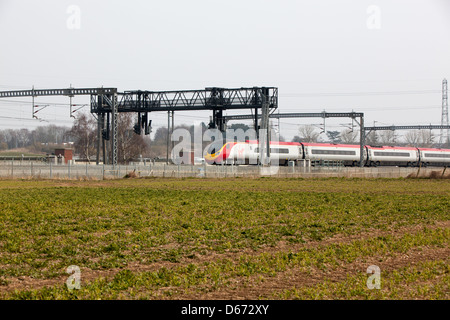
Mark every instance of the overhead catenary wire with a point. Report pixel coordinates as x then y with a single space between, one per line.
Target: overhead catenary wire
322 94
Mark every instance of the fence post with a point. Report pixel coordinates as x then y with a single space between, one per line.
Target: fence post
68 168
51 175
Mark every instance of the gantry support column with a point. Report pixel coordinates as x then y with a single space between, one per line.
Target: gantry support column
362 141
114 125
100 123
264 136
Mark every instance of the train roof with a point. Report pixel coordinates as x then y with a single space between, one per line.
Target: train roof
314 144
281 143
390 148
434 149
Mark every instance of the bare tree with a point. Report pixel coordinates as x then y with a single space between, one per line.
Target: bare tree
334 136
412 138
349 136
308 133
85 134
426 138
388 137
129 145
11 138
23 135
372 139
125 134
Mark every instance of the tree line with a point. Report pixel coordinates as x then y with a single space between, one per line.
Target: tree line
83 135
39 140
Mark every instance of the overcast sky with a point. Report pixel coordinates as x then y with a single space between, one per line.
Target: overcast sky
384 58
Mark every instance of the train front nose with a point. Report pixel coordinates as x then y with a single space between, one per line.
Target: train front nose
211 158
213 154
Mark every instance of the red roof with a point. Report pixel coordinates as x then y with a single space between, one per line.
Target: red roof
434 149
331 145
391 148
281 143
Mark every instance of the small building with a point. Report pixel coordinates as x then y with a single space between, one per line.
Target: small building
67 154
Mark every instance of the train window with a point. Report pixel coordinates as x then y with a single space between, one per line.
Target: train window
437 155
275 150
334 152
391 154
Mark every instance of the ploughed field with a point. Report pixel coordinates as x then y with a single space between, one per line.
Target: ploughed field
263 238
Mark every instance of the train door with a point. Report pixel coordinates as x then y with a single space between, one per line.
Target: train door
418 157
301 152
367 156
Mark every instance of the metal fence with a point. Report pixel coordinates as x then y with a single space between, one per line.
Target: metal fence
40 170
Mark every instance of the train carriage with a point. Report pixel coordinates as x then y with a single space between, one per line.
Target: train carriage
348 154
248 153
434 157
392 156
280 151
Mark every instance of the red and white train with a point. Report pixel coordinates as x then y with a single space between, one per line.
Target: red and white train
248 153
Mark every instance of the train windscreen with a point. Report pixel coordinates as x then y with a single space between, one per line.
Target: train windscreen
214 147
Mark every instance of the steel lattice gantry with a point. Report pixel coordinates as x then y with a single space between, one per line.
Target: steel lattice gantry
300 115
57 92
102 94
108 102
206 99
214 99
412 127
